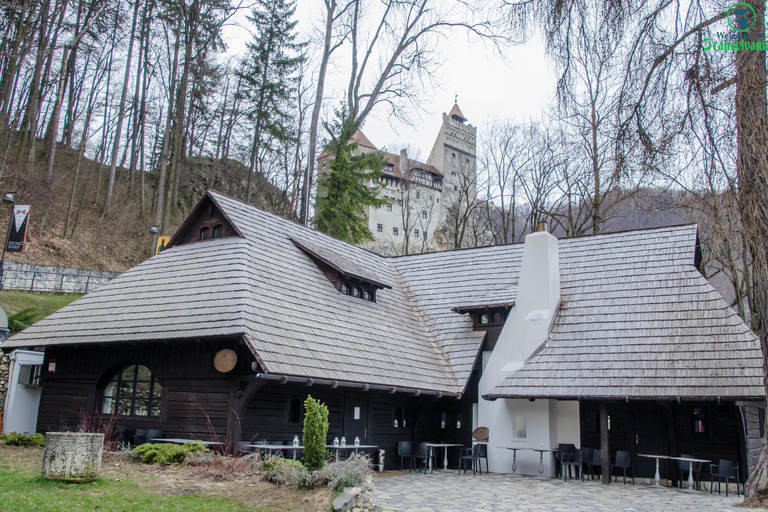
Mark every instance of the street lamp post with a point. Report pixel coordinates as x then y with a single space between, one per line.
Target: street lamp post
9 198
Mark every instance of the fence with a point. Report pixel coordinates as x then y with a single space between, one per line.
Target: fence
44 278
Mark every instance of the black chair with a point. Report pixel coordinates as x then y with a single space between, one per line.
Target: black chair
119 434
140 437
472 454
622 462
154 433
684 467
405 450
586 458
242 448
482 454
563 451
422 454
724 471
571 460
595 462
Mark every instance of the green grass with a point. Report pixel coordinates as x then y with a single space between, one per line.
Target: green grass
25 492
43 303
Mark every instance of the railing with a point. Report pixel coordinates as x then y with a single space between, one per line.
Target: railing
54 281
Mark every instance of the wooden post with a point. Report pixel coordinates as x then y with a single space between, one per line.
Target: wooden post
605 453
238 400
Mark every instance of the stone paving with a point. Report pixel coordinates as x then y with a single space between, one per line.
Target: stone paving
449 492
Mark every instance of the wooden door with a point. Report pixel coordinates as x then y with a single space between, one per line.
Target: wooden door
356 417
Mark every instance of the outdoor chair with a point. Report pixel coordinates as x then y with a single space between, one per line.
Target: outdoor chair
595 462
725 471
684 468
563 450
140 437
422 454
472 454
154 433
622 462
482 454
572 460
405 451
119 434
242 448
586 458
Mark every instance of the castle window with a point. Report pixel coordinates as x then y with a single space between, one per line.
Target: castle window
425 235
133 391
423 214
417 194
466 161
394 231
204 233
379 228
389 207
453 155
217 230
455 188
416 233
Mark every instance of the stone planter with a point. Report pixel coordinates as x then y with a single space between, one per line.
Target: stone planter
72 456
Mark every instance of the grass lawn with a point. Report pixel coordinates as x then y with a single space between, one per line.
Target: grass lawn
131 487
23 492
44 303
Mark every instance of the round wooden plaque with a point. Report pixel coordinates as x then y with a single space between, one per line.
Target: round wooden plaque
225 360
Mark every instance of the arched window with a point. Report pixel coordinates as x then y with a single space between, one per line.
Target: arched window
497 318
344 289
203 233
366 294
133 391
356 292
295 410
217 230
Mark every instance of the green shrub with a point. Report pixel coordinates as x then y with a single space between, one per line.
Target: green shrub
287 472
167 453
16 439
315 433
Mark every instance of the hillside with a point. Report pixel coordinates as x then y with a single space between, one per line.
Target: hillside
120 239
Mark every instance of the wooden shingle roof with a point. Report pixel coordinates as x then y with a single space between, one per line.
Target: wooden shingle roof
634 311
637 320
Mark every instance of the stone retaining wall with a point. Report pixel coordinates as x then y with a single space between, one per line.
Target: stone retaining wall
3 379
45 278
356 499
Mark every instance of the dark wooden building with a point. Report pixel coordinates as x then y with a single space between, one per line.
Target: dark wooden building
226 332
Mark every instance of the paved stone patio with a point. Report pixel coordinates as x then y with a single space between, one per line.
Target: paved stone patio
449 492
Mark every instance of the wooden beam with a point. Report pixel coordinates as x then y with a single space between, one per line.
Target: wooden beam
238 399
605 453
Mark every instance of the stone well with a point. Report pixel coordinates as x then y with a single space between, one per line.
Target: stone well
72 456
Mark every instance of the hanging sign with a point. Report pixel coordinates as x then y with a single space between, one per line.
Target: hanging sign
17 237
162 243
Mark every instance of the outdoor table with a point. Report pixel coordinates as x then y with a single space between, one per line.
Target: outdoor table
176 440
445 447
514 449
669 457
274 447
351 447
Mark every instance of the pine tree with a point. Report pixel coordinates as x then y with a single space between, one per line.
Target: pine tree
268 76
351 184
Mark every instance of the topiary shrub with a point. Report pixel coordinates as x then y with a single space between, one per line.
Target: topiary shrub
315 433
167 453
16 439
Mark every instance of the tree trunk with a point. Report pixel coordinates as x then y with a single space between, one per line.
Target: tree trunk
121 113
330 7
752 170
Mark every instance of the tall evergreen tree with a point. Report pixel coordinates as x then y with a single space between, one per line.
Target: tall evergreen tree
352 183
268 76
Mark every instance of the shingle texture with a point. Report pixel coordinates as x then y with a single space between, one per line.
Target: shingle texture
636 319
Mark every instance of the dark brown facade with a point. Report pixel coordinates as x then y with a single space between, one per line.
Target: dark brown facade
707 430
198 402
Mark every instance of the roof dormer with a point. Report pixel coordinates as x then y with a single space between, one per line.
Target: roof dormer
206 221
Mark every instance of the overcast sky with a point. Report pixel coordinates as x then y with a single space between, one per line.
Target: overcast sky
487 86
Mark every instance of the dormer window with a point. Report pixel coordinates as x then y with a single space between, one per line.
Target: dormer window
217 230
207 220
344 289
204 233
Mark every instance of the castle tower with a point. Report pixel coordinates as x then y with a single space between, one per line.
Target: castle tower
454 154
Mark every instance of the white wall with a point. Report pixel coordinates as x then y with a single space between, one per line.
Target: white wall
547 422
21 402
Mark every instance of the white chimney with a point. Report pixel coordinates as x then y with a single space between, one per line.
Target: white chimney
403 162
529 322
